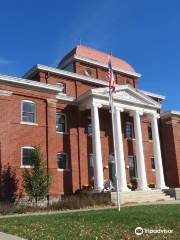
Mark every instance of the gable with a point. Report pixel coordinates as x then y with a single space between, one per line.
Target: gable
128 94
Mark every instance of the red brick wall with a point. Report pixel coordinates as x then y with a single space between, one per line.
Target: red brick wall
170 138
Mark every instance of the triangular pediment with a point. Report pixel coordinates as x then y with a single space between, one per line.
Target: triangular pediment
126 93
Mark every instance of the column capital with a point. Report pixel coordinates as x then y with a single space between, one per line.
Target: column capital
117 108
153 115
95 104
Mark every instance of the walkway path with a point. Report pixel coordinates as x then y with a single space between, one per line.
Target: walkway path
4 236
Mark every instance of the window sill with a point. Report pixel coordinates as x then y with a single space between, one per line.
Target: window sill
63 170
153 170
150 140
130 139
26 166
29 123
62 132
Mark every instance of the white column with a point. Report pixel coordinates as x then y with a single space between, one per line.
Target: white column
160 183
142 180
96 143
121 172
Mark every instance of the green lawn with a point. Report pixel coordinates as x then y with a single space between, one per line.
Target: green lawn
101 224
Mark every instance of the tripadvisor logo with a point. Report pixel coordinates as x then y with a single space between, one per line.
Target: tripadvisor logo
138 231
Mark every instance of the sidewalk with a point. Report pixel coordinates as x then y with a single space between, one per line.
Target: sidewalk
4 236
87 209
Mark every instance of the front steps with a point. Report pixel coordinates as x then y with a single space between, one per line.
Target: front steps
140 196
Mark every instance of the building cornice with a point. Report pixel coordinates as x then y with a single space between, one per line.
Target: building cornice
65 98
65 74
153 94
29 83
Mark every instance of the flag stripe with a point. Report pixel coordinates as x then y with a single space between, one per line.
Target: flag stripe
111 77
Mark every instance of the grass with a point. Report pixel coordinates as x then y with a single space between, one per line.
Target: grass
102 224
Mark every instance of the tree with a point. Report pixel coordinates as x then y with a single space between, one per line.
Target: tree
9 184
36 180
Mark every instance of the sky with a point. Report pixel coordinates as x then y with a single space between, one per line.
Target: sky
144 33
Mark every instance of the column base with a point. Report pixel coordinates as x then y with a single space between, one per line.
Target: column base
98 190
144 188
162 187
125 189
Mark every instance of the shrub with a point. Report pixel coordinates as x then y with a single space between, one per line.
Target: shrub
8 184
151 185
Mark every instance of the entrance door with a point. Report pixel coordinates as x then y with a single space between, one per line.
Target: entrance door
112 170
132 167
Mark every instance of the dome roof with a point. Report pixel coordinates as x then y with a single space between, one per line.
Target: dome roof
97 56
101 57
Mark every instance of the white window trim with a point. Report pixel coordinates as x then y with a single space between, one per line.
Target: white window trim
64 85
25 147
35 118
66 132
67 163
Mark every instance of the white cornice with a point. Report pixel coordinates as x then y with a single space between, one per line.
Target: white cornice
117 69
29 83
153 94
5 93
65 98
66 74
170 113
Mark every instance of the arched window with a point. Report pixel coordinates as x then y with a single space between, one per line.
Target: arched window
28 111
61 125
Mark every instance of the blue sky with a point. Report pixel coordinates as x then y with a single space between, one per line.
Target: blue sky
145 33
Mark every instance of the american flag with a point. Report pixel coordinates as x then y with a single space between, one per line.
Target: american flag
111 78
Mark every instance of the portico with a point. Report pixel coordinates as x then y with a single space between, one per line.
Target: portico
137 104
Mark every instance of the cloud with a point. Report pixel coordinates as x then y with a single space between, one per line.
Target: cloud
4 61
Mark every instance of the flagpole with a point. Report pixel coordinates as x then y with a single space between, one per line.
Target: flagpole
114 145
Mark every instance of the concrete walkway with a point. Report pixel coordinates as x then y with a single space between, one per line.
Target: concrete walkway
4 236
87 209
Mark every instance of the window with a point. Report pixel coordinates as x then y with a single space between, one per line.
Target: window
63 87
88 72
28 113
149 131
26 156
132 166
69 67
152 163
127 81
60 122
129 130
62 161
89 127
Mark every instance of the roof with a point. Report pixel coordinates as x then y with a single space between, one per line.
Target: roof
98 56
170 113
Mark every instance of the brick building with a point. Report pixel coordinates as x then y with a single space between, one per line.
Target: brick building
65 110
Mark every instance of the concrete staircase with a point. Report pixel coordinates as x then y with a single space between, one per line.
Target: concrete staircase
139 196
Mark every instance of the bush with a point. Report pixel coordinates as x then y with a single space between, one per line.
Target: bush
151 185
